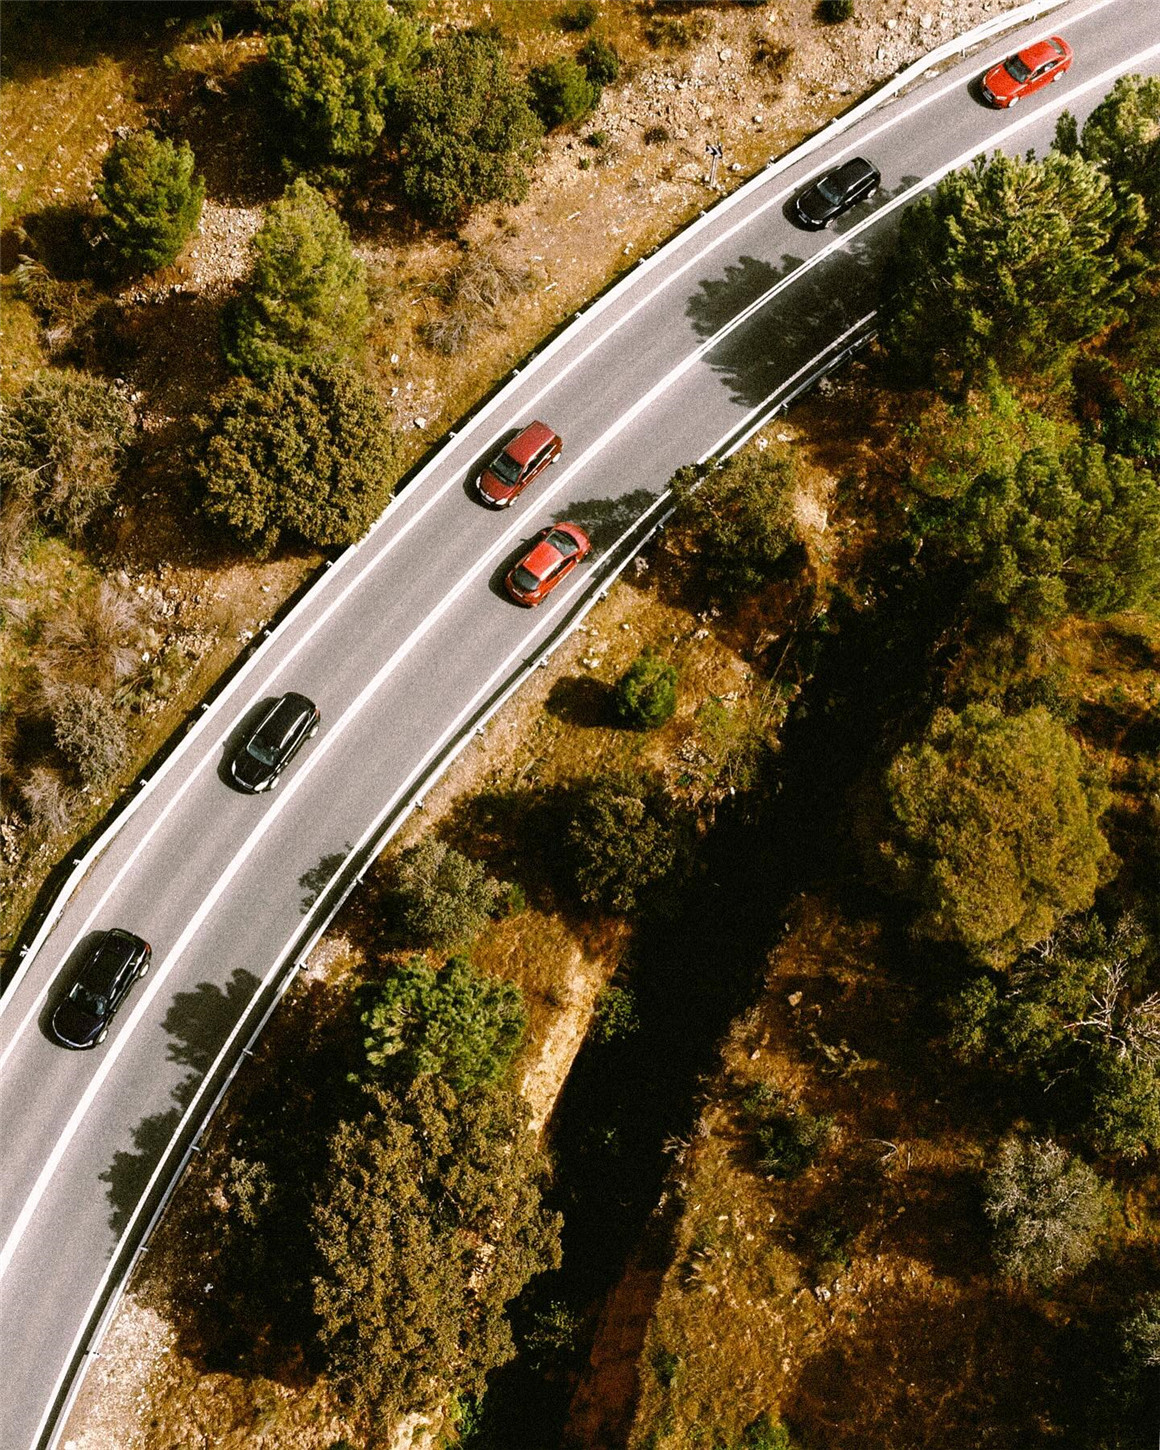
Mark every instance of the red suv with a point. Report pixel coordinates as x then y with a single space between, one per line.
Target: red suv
551 558
514 467
1021 75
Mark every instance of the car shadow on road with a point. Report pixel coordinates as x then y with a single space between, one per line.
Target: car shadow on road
197 1023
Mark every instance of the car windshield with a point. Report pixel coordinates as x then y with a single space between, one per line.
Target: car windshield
1017 70
563 543
829 192
524 579
91 1002
505 468
261 753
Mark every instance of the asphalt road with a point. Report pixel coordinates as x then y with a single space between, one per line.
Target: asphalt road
398 643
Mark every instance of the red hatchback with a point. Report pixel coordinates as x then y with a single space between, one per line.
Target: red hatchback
1022 75
551 558
512 469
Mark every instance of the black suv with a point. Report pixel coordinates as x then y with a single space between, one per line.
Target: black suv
837 192
113 964
274 743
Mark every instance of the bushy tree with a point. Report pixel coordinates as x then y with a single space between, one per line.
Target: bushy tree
562 91
1046 524
306 299
1122 138
442 897
623 837
1046 1210
646 694
152 199
468 134
600 60
428 1221
62 444
90 732
458 1023
308 455
1007 261
741 519
992 830
337 65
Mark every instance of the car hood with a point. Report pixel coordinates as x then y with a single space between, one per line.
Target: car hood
75 1027
491 487
248 772
1000 82
814 207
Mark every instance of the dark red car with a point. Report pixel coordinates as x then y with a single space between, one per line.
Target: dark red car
1027 72
514 467
551 558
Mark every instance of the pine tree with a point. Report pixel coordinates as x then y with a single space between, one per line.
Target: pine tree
152 199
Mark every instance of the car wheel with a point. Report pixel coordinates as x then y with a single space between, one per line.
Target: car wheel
103 1034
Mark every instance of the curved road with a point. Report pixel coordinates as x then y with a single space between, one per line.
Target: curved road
395 647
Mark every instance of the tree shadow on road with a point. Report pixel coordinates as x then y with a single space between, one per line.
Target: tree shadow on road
197 1022
315 881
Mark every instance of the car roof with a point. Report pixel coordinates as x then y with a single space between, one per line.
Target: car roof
854 170
530 441
285 716
541 559
109 956
1034 56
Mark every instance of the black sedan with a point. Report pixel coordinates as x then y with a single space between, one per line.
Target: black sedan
837 192
274 742
112 965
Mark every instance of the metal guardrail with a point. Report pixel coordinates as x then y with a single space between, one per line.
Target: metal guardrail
167 1175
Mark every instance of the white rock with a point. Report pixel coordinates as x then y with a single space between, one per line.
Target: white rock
420 422
926 21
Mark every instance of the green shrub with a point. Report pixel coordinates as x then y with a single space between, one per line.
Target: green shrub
467 132
615 1016
600 60
787 1139
443 898
665 1365
152 199
456 1023
833 12
306 300
337 66
62 443
308 455
656 135
1046 1210
646 694
562 91
90 733
551 1337
740 518
676 32
577 15
623 838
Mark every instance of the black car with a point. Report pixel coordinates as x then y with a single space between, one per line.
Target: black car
274 742
112 965
837 192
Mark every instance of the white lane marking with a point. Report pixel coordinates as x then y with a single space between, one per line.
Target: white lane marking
926 98
437 613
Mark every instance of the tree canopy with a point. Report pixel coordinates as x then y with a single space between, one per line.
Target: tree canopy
623 837
427 1222
152 199
441 897
337 65
306 300
467 131
1007 262
991 829
1046 1210
457 1023
307 455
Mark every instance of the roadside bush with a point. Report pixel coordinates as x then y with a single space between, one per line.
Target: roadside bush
337 66
623 839
991 826
456 1023
441 897
1046 1210
467 132
428 1220
94 639
646 694
600 60
306 301
307 455
90 733
833 12
47 800
562 91
152 197
740 518
577 15
62 443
